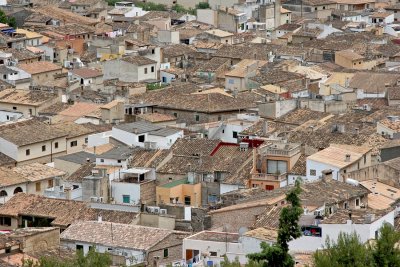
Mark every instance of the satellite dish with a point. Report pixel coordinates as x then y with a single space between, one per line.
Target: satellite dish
242 230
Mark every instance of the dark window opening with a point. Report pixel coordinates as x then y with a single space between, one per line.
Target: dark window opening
141 138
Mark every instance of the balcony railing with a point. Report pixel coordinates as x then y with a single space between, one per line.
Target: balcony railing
269 177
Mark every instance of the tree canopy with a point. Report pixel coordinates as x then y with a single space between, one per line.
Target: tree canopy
277 255
7 20
91 259
349 251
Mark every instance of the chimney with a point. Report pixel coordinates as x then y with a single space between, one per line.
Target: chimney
99 218
347 159
347 82
357 131
277 13
265 128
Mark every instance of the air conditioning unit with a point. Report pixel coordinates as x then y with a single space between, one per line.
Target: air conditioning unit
100 199
163 211
93 199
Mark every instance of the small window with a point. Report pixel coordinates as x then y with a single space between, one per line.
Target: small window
187 200
234 134
8 250
313 172
141 138
37 187
86 140
165 253
119 161
74 143
152 69
56 145
365 159
145 70
219 117
14 108
79 247
175 115
153 51
50 183
357 202
8 117
126 199
43 148
213 254
197 117
27 152
231 81
101 160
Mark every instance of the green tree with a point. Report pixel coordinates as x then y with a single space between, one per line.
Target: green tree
348 251
91 259
385 250
179 8
7 20
277 255
202 5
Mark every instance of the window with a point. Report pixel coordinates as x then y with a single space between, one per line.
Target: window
187 200
165 253
101 160
231 81
365 159
119 161
49 183
3 193
56 145
153 51
313 172
30 111
357 202
152 69
197 117
234 134
175 115
219 117
5 221
37 187
74 143
8 250
8 117
43 148
213 254
86 140
145 70
14 108
79 247
126 198
27 152
345 206
141 138
276 167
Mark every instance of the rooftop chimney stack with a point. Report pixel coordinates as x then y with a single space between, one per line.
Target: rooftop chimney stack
347 158
265 128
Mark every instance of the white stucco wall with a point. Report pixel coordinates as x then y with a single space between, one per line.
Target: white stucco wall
119 189
319 167
99 139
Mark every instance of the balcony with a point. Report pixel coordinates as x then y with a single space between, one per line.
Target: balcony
282 149
268 177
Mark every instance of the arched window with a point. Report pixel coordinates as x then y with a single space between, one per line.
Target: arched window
18 190
3 193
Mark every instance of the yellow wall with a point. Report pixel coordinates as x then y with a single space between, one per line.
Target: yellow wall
193 190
